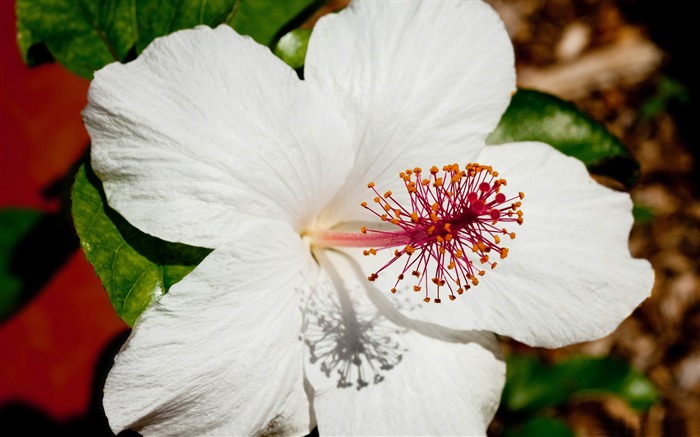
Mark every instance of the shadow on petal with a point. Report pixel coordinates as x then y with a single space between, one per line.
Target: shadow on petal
347 336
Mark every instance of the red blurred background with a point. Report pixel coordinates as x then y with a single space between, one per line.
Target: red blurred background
50 347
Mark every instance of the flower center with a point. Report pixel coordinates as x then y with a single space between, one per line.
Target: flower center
448 235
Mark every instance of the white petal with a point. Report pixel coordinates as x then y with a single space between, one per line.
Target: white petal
221 353
420 83
207 126
569 276
375 373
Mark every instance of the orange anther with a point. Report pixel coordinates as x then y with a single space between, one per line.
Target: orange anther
448 216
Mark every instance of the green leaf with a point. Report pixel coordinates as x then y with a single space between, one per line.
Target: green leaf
86 35
83 35
541 427
135 268
668 91
532 385
528 385
157 18
15 224
264 20
608 376
32 51
536 116
291 48
642 214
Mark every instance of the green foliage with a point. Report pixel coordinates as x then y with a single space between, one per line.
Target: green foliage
135 268
541 427
80 34
291 48
536 116
642 214
264 19
15 224
86 35
668 92
157 18
532 385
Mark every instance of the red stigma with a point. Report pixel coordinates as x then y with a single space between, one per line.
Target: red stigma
450 232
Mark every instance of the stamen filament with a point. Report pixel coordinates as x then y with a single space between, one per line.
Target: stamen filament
372 238
450 233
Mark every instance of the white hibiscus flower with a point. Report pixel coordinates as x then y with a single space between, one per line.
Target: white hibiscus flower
209 140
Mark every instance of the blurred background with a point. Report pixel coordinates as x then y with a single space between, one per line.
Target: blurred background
627 63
